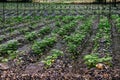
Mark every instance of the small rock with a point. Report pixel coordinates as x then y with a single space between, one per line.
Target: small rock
24 75
100 66
4 66
105 75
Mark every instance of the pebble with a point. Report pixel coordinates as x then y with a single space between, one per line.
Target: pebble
4 66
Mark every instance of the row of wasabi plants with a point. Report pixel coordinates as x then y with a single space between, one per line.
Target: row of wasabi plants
76 38
74 31
100 53
116 19
40 46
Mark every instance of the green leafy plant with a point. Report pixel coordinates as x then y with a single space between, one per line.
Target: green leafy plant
31 36
18 19
44 30
104 23
67 19
75 38
58 24
50 59
2 37
9 47
72 48
10 29
40 46
24 30
92 59
118 24
66 29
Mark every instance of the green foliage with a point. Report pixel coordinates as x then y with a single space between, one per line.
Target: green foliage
9 29
31 36
2 37
118 24
9 47
11 55
104 27
75 38
18 19
59 17
67 19
104 23
66 29
44 30
92 59
58 24
37 17
72 48
80 17
114 16
24 30
40 46
50 59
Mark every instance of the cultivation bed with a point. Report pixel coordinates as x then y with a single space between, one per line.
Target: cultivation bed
50 42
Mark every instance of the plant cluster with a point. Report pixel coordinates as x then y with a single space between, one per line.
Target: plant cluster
67 28
93 59
24 30
67 19
117 21
50 59
30 36
103 32
40 46
44 30
33 35
118 25
2 37
75 39
9 47
58 18
9 29
58 24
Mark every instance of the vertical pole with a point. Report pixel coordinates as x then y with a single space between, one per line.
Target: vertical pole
24 9
39 8
3 14
17 8
34 7
109 15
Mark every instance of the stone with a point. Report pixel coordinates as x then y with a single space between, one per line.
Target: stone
4 66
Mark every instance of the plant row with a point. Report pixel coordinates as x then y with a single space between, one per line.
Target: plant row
20 30
49 60
116 19
76 38
9 47
102 43
40 46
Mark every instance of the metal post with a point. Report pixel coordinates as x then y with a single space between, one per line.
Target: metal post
34 7
17 8
3 14
109 10
24 9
